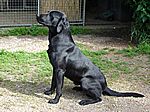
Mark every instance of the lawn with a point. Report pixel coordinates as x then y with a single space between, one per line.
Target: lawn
35 67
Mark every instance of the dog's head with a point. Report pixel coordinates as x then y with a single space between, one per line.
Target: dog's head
55 20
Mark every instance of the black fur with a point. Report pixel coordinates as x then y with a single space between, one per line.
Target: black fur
68 61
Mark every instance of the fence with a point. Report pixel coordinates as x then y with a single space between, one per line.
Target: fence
22 12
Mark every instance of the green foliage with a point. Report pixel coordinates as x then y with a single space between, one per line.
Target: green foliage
142 48
141 25
18 31
35 30
80 30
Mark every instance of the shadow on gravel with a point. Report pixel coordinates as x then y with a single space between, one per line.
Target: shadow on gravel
34 89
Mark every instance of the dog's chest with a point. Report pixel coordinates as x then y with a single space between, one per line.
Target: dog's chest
57 57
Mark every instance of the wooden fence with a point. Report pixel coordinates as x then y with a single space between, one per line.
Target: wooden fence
72 8
22 12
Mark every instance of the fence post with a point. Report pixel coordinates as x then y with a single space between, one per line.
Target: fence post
38 8
84 6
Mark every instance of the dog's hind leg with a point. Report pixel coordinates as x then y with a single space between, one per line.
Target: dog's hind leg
93 99
89 101
92 90
77 88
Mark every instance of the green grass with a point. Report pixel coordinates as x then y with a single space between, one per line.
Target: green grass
19 31
25 66
75 30
39 31
35 67
143 48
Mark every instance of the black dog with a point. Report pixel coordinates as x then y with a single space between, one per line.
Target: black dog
67 60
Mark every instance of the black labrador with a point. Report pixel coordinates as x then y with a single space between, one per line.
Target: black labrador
67 60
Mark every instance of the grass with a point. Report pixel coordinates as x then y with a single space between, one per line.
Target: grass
18 31
35 67
143 48
25 66
35 30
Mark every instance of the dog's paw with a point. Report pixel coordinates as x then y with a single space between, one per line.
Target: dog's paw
89 101
53 101
83 102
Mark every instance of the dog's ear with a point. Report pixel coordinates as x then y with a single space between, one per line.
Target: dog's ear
59 26
62 24
65 22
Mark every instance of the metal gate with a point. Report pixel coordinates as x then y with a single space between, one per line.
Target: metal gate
22 12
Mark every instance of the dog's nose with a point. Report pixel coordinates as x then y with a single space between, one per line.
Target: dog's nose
36 15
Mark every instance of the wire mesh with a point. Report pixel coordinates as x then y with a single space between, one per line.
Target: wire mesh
18 12
22 12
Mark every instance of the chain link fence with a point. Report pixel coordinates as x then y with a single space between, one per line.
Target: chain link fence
22 12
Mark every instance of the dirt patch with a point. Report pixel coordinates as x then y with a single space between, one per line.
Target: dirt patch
28 44
27 97
97 43
37 44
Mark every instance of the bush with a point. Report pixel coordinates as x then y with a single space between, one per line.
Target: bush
141 25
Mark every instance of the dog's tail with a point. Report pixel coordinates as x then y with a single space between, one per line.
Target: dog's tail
110 92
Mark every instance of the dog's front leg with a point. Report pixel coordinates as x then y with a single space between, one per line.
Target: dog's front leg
53 84
59 85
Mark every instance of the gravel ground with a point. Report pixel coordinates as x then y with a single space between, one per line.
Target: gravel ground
27 97
37 44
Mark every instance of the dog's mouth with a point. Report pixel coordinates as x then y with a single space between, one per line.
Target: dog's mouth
42 19
39 20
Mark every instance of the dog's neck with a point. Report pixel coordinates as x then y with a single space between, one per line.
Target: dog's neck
66 32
